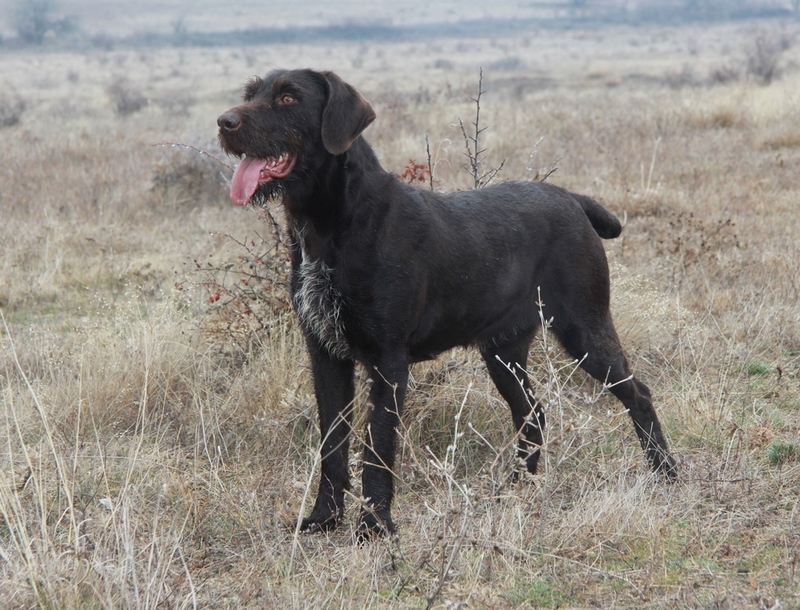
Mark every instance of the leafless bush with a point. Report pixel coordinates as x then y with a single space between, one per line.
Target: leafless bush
692 243
474 152
506 64
188 175
761 61
246 293
721 75
11 109
685 77
125 99
176 102
764 57
248 298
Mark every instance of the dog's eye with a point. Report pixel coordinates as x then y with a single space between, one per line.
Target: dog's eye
286 99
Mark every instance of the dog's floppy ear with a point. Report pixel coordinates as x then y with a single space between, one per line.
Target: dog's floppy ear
346 115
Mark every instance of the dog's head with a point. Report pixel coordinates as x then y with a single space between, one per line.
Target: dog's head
289 122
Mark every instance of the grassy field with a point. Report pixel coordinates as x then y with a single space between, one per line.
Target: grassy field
155 453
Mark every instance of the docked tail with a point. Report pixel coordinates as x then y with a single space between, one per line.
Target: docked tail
604 222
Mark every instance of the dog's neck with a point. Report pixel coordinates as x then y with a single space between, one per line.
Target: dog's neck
320 209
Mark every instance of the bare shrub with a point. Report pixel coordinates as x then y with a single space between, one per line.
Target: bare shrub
176 102
724 74
474 152
188 175
125 99
783 140
764 57
685 77
724 119
506 64
11 109
245 292
718 118
693 243
247 297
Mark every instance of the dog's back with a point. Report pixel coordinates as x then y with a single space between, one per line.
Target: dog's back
528 197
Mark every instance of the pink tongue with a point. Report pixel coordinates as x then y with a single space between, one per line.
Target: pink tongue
245 179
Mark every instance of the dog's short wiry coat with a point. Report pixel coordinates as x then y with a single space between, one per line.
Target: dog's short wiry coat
319 306
387 274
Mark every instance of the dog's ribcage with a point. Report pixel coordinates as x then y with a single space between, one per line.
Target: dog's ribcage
319 306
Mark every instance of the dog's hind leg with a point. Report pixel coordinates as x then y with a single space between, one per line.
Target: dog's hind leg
334 389
506 363
598 348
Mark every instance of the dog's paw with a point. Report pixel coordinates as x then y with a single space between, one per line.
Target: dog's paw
372 526
319 523
666 465
522 476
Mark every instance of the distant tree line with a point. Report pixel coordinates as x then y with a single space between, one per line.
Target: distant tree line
34 19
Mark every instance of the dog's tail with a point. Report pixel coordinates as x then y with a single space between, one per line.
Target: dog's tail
604 222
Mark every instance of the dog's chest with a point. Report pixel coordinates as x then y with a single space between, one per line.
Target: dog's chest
319 305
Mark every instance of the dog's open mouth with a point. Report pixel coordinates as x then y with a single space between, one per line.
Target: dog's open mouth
253 171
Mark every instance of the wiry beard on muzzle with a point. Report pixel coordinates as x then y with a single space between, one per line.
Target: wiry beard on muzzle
270 192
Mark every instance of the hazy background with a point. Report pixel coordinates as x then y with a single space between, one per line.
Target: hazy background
158 434
119 20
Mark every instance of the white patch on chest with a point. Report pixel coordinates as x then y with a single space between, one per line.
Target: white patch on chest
319 306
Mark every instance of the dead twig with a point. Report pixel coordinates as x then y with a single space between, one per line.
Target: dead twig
196 149
474 152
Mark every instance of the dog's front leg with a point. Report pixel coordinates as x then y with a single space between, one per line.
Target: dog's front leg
334 390
389 382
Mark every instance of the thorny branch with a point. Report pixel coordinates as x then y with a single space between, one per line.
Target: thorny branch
472 144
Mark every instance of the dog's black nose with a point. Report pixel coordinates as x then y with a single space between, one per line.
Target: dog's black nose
229 121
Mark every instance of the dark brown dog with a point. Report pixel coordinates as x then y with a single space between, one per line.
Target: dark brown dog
387 274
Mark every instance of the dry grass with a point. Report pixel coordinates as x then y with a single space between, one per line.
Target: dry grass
150 458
